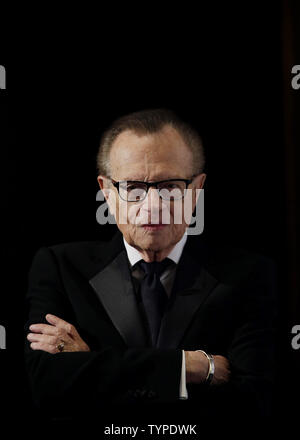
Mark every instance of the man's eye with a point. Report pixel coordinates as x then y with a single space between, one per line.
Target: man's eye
134 187
170 186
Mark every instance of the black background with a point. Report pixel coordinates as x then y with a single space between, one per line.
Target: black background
220 68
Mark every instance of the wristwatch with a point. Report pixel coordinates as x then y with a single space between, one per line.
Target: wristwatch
211 368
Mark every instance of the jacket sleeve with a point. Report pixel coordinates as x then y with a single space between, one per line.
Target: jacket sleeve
252 351
98 377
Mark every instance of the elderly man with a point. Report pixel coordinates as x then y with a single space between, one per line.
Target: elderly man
155 315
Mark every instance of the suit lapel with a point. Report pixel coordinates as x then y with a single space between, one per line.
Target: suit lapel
192 284
114 288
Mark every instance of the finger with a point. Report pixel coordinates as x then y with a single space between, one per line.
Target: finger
60 323
38 337
44 347
43 328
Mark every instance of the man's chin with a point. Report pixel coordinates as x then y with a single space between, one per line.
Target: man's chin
156 239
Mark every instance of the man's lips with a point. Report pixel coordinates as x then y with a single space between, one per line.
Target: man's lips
152 226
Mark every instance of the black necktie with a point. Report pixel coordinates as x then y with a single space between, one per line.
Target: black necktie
153 295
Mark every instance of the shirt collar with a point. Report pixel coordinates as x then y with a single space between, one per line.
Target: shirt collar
134 255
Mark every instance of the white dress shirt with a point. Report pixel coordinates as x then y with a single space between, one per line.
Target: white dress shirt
167 279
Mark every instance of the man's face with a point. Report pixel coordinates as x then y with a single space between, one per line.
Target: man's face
150 158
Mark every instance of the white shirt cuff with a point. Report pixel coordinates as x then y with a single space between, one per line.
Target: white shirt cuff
183 394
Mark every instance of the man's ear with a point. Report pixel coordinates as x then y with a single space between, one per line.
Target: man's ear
108 193
103 184
198 184
199 181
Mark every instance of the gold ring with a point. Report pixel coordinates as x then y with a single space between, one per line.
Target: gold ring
61 346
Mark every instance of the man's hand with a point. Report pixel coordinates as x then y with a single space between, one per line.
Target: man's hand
48 337
196 364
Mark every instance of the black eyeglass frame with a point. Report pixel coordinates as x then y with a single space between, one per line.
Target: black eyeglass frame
148 185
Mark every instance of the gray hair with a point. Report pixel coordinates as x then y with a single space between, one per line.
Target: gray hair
147 122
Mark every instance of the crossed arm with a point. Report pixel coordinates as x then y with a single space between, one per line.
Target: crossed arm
83 373
48 337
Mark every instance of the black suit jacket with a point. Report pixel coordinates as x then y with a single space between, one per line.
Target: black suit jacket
222 301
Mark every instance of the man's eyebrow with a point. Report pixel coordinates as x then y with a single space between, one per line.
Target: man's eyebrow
130 179
133 178
142 180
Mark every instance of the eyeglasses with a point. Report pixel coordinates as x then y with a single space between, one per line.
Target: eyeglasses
136 191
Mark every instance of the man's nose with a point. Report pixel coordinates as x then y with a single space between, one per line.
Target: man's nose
153 199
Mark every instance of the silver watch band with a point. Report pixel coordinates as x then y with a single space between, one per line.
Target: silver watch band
211 368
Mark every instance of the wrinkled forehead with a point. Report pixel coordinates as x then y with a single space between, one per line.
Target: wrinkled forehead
150 155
